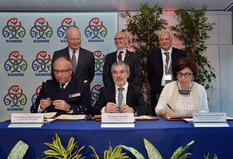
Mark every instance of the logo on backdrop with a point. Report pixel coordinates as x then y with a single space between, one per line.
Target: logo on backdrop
41 32
99 62
13 32
34 96
95 90
65 24
15 99
15 65
96 31
42 64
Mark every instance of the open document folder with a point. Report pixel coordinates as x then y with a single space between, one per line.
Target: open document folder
54 116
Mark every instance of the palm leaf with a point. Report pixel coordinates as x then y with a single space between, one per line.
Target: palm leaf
95 154
19 150
152 152
135 152
180 150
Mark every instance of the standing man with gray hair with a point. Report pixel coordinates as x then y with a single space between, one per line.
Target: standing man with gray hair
160 63
83 62
121 97
122 54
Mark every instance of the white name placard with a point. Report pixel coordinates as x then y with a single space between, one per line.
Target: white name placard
212 117
117 118
30 118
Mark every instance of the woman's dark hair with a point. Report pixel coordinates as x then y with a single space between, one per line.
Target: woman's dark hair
183 63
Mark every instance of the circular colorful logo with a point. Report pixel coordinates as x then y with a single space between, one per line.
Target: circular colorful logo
95 90
15 97
95 31
14 29
15 63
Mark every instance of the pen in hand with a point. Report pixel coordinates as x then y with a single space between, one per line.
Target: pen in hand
170 107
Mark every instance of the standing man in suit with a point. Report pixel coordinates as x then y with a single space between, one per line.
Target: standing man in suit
83 61
64 94
160 63
121 97
122 54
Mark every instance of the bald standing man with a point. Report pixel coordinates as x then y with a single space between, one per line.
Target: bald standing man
82 60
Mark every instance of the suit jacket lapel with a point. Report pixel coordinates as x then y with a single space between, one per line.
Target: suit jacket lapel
130 94
114 58
126 57
112 94
67 52
173 56
57 88
160 61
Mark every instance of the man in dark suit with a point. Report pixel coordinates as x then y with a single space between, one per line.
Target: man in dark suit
121 96
83 61
64 94
122 54
159 65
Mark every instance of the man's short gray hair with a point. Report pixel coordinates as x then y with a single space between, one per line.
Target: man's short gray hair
121 63
124 33
164 31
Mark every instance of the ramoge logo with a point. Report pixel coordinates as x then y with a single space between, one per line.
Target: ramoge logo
95 31
15 65
42 64
95 90
65 24
41 31
15 99
99 62
34 96
13 31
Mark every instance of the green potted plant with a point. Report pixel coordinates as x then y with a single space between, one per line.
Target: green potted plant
192 29
110 153
152 152
58 151
143 27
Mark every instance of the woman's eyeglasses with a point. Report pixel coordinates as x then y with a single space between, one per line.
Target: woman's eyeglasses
185 75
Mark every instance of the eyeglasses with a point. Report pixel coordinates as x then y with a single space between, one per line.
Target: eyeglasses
185 75
121 38
61 71
73 39
118 72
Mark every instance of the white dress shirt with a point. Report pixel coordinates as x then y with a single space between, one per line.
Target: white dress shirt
76 54
123 54
164 64
124 93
